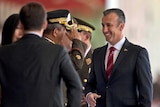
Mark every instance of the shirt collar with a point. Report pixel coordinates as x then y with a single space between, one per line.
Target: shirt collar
87 50
118 45
49 40
30 32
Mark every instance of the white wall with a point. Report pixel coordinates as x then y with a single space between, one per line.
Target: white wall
142 26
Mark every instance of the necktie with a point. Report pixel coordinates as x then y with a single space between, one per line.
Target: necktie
110 61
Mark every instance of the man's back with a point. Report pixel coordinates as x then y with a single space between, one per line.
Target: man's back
31 72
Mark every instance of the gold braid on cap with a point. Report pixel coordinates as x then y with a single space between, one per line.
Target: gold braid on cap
64 22
85 28
68 26
59 20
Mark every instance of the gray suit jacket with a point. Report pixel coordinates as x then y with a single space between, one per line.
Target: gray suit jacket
130 83
31 71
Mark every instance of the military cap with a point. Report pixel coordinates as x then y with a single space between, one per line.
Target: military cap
84 26
61 16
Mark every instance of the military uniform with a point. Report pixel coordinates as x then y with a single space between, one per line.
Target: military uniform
77 53
77 57
78 47
86 68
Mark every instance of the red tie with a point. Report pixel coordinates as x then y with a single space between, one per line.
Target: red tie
110 61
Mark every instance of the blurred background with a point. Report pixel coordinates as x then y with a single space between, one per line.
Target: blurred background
142 21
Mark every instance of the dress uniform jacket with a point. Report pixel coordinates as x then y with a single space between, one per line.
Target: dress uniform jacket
77 53
77 56
30 74
86 68
130 82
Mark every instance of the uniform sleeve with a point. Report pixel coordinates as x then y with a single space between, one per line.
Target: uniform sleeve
71 80
77 53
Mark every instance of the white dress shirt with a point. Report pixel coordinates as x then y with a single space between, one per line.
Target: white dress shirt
118 47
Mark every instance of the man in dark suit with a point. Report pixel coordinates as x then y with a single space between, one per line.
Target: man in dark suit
130 82
32 68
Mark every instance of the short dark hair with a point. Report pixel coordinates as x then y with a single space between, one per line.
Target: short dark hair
117 11
32 16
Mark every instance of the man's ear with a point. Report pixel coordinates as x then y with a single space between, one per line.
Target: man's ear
54 32
45 24
88 36
121 26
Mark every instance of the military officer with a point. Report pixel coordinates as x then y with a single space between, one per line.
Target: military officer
60 25
62 30
85 30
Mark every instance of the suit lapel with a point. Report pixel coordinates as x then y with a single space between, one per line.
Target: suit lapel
102 62
120 57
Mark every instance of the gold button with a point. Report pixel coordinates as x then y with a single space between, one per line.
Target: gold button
88 61
65 104
85 80
78 56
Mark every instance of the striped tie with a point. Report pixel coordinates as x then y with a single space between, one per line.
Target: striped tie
110 62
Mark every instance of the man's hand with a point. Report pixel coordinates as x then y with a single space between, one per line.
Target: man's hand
91 99
73 34
83 100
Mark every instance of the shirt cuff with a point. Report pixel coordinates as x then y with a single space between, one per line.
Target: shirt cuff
87 98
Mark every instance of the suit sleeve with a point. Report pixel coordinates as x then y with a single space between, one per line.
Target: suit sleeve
77 53
144 79
72 81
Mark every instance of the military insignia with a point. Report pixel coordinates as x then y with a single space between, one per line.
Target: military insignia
92 51
78 57
89 70
85 80
125 50
65 104
88 61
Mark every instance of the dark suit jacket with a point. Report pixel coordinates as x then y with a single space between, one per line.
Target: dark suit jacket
31 71
130 83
